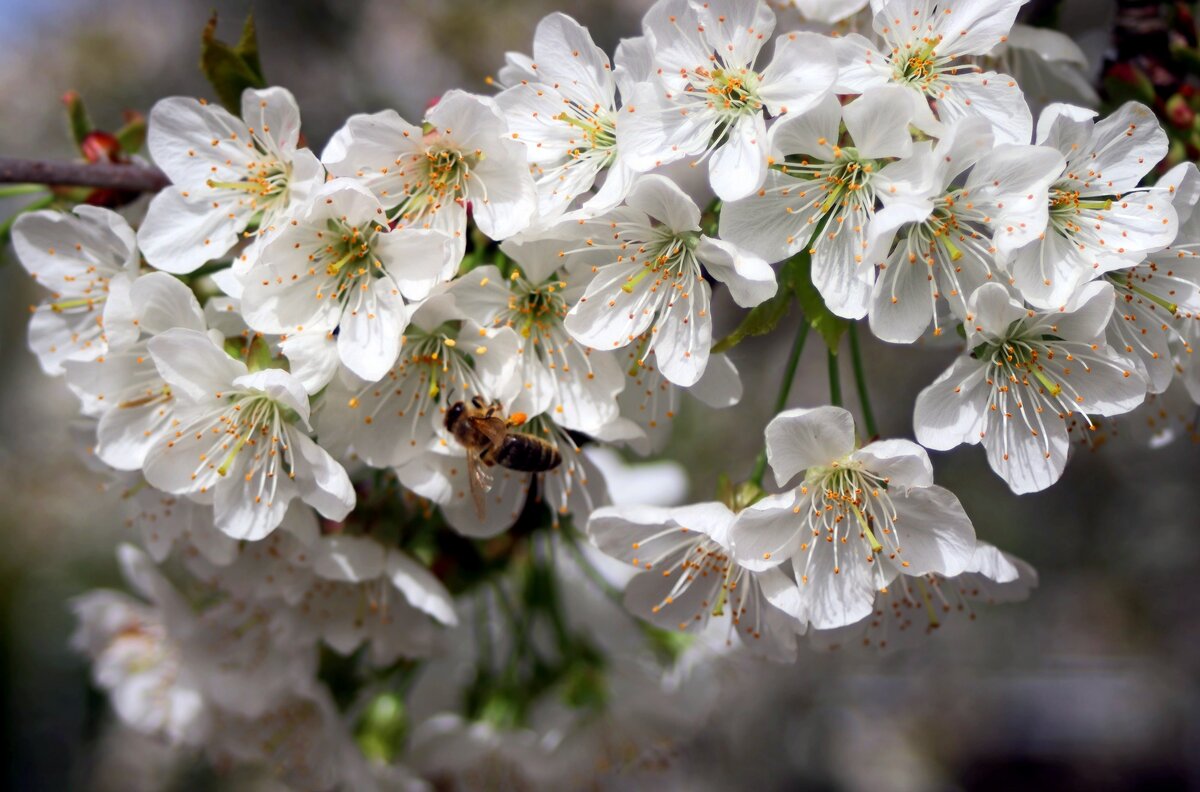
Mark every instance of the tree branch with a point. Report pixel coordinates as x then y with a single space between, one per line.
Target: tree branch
113 176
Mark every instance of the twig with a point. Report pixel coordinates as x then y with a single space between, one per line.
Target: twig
131 177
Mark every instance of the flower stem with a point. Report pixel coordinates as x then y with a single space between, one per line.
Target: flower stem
860 384
785 389
835 380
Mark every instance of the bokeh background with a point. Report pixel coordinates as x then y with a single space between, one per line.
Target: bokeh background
1093 684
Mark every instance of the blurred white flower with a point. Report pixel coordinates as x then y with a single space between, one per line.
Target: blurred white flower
88 261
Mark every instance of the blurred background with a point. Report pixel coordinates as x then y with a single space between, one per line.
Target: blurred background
1094 683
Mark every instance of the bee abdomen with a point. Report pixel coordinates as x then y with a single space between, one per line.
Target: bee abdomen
527 454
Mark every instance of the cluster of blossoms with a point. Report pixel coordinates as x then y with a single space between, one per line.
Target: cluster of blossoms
360 402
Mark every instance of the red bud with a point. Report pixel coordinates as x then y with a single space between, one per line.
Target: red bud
99 146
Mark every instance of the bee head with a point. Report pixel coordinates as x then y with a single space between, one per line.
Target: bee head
454 413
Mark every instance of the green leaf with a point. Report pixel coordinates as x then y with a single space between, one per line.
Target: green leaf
231 69
761 320
77 117
132 136
798 271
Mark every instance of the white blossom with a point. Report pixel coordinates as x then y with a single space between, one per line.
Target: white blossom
647 257
1098 221
859 517
926 48
1024 373
88 261
236 442
707 95
688 574
337 266
564 109
230 176
427 179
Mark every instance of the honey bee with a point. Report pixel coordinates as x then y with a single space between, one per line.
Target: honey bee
486 435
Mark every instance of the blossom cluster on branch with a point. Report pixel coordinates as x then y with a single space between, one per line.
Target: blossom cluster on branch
360 404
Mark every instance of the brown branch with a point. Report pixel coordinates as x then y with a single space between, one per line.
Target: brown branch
113 176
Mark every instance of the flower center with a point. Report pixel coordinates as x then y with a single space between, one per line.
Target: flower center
265 184
442 175
848 498
346 258
732 92
1066 205
599 130
535 311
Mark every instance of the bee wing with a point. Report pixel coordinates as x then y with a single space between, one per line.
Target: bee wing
493 428
480 480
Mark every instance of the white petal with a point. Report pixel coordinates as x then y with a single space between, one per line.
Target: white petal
933 532
183 229
739 165
369 336
801 73
769 532
663 200
348 559
280 386
162 301
193 365
652 132
417 259
323 483
902 462
860 65
803 438
750 280
566 56
995 97
721 385
878 122
422 590
684 336
273 115
992 310
238 510
1127 145
950 411
1028 462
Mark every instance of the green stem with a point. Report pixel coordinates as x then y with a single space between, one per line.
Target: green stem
554 606
860 384
835 380
21 189
785 389
483 632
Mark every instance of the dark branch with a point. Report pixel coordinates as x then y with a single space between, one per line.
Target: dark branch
130 177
